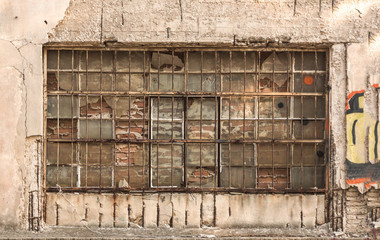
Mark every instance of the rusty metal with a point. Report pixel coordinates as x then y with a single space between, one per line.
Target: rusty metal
154 99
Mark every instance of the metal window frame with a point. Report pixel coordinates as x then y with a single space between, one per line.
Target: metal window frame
217 95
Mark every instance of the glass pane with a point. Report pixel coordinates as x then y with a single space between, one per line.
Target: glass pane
309 83
167 177
167 108
168 155
194 130
240 177
166 83
132 177
167 130
309 107
91 129
90 154
308 154
135 129
308 177
208 83
96 107
208 108
52 59
273 130
235 152
308 129
234 129
240 108
273 155
273 178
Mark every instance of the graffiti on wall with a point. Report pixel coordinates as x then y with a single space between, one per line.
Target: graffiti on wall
363 148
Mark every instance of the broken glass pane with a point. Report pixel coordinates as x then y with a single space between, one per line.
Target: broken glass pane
280 61
68 81
273 178
164 61
96 107
52 81
134 129
132 177
194 130
240 108
208 108
204 176
131 154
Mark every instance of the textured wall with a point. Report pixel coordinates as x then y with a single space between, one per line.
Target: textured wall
351 28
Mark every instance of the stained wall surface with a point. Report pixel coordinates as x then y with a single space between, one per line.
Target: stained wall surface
351 30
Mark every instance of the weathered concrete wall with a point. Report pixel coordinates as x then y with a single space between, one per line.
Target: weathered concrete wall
351 28
186 210
24 26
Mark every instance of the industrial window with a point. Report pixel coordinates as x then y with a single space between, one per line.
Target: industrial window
186 119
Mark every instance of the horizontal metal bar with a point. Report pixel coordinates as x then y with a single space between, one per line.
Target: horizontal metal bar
169 141
186 190
76 71
182 94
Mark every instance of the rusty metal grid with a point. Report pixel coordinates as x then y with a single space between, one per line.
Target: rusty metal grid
229 120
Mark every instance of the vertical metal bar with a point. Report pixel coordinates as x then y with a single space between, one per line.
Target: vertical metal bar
229 125
114 121
291 110
301 175
101 119
315 116
129 118
244 102
72 119
44 134
185 116
258 67
158 117
58 113
172 137
287 120
273 90
201 124
143 123
216 129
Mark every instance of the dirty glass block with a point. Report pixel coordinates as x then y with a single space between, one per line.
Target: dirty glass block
207 155
308 154
269 178
163 109
168 155
273 130
67 153
68 81
236 152
122 61
194 61
107 58
309 82
67 176
208 83
308 129
240 108
210 64
133 154
94 62
167 130
90 154
237 61
240 177
309 107
279 104
132 177
92 127
107 82
279 60
52 56
234 129
193 130
91 82
277 154
67 60
122 82
134 129
309 61
207 105
68 107
166 83
96 176
164 61
137 62
237 82
167 177
308 177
